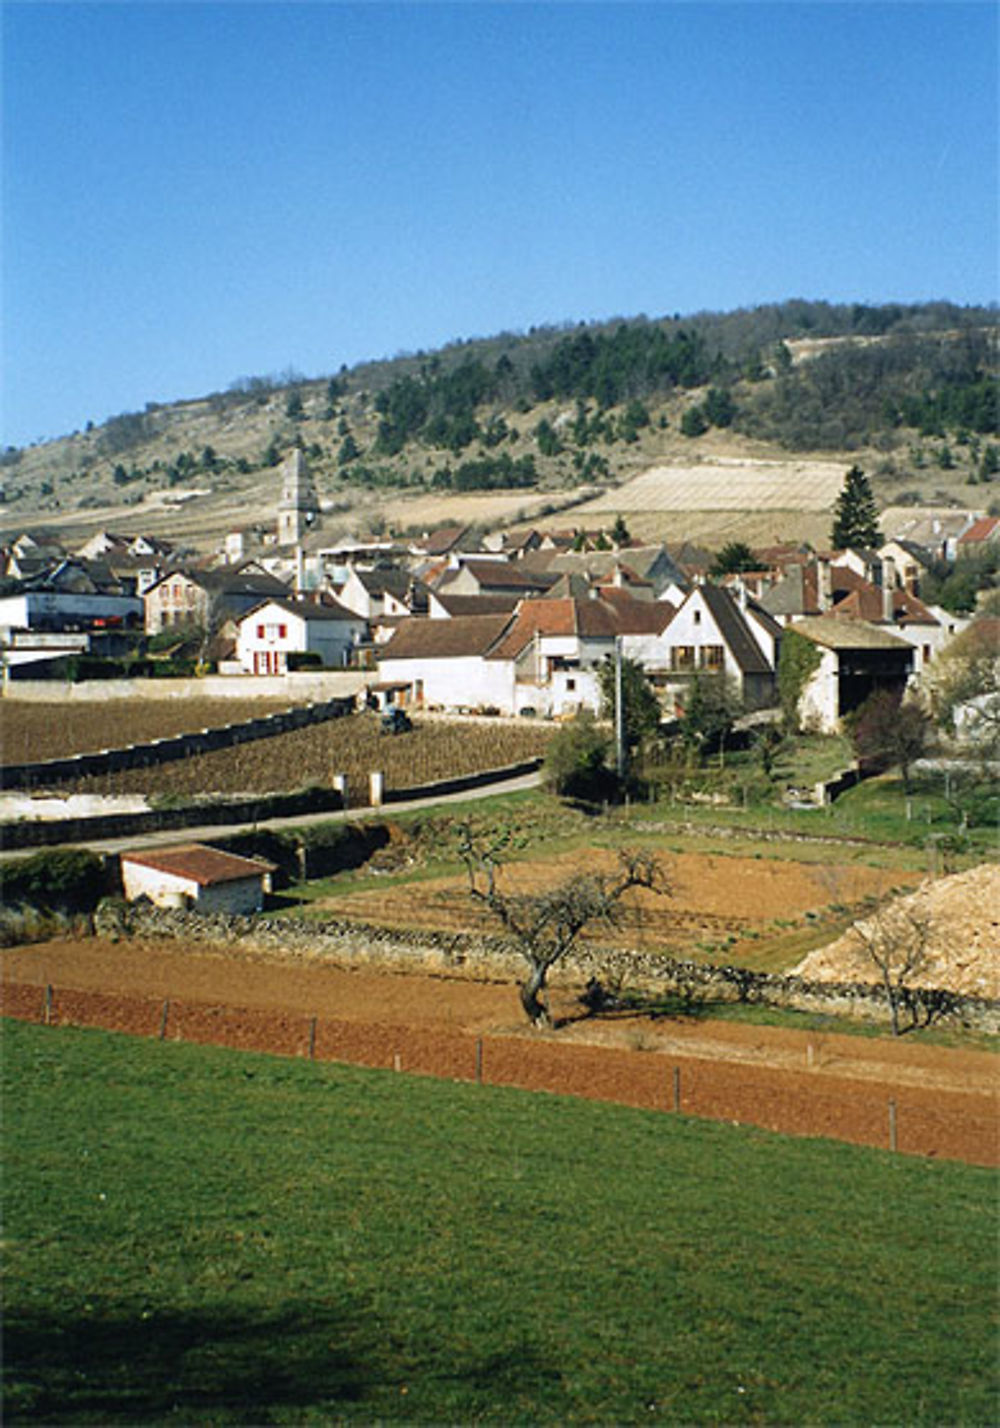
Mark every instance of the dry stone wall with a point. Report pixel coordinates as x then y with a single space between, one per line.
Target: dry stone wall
615 975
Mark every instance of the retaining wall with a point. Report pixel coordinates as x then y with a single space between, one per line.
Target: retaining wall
484 958
232 812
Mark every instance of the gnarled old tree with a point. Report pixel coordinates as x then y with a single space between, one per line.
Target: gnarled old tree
545 926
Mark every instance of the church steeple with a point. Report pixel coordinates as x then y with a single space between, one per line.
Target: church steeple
298 510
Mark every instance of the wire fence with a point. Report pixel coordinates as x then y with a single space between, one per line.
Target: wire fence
812 1101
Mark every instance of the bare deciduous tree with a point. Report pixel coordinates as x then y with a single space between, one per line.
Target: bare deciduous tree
895 939
545 926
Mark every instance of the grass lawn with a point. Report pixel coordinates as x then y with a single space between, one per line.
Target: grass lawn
202 1236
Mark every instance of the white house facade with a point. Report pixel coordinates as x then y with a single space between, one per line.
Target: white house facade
276 629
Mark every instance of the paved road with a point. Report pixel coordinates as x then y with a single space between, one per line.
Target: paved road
168 836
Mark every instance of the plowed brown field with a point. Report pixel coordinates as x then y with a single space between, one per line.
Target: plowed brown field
940 1102
714 899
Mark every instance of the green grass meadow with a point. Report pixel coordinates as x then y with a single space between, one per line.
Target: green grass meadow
195 1235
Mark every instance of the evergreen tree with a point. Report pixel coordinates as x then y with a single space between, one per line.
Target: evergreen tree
620 532
734 557
855 521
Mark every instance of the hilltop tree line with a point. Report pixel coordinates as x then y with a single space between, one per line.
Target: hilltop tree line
847 396
928 368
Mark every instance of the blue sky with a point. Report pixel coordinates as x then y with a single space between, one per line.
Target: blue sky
198 192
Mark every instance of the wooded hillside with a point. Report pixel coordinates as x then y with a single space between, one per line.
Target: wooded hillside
913 389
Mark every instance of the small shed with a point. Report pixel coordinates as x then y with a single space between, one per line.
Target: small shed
198 876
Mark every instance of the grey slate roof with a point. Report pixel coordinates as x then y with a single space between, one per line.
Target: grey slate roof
735 630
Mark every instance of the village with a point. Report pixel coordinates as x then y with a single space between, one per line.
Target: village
515 623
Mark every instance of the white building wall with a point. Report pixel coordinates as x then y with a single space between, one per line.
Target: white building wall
468 682
819 701
168 890
694 627
56 608
332 640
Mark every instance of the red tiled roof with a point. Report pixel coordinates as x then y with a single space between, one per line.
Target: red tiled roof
866 603
200 863
592 619
983 529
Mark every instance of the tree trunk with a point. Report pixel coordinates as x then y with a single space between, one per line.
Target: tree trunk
892 994
534 1005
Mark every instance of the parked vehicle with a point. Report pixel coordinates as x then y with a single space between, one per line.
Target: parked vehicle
396 721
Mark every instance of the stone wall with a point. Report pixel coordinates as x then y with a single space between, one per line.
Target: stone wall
229 812
624 975
218 812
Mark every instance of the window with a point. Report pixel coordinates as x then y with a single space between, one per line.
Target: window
697 617
571 685
711 657
682 657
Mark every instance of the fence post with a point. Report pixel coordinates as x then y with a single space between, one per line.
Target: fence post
312 1039
479 1061
376 783
677 1088
892 1125
48 1005
163 1018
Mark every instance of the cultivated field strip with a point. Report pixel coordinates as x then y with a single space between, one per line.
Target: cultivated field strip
910 1120
312 757
33 731
723 485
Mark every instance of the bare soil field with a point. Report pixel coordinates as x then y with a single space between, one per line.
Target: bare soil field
943 1102
719 904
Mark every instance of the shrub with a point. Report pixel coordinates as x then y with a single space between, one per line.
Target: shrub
63 880
576 761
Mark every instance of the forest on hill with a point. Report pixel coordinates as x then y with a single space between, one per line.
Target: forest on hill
556 407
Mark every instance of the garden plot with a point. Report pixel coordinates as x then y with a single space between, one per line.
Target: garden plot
727 484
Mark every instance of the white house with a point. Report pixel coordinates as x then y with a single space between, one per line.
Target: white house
275 629
443 662
197 876
715 633
545 656
554 647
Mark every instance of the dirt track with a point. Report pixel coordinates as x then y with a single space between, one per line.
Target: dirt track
804 1083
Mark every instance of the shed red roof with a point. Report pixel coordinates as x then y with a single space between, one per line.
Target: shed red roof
199 863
